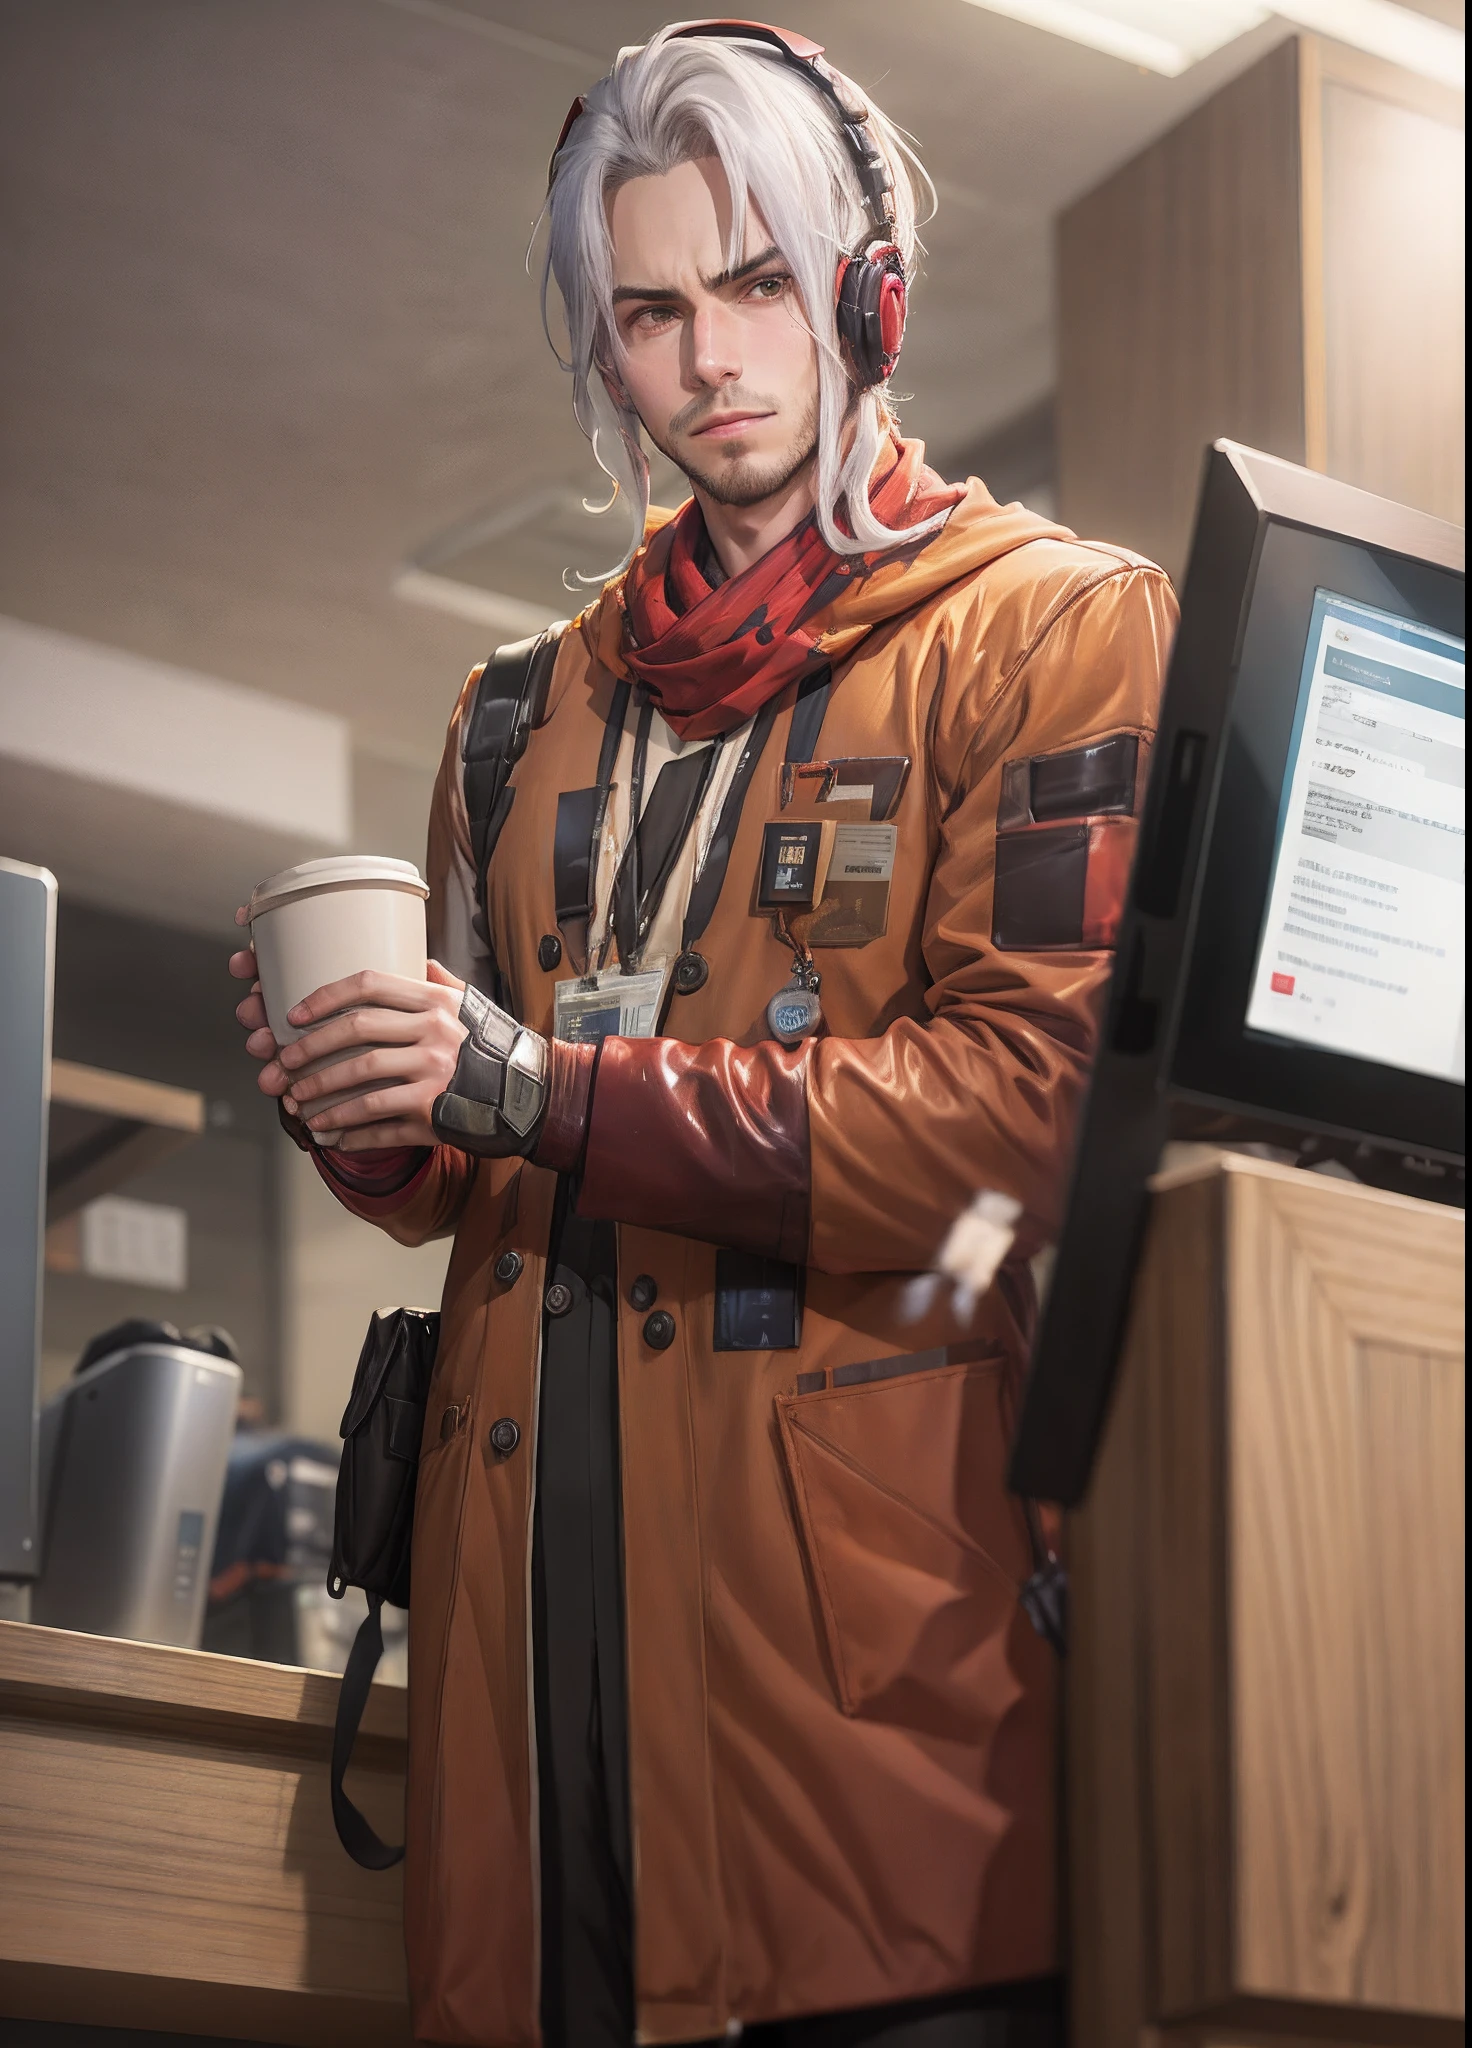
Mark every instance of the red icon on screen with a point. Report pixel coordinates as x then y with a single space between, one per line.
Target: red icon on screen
1282 984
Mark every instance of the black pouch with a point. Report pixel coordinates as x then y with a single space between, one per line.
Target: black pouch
381 1428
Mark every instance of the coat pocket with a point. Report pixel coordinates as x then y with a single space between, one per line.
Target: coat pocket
914 1547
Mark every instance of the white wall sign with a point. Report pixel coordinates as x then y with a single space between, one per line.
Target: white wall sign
145 1242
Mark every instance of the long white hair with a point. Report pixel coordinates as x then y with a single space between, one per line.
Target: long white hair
678 99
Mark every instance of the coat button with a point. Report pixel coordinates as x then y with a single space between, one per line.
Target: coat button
558 1298
643 1292
505 1436
508 1268
549 951
659 1330
692 972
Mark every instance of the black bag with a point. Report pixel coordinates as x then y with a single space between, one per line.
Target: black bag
381 1428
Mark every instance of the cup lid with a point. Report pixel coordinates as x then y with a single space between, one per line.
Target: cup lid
366 870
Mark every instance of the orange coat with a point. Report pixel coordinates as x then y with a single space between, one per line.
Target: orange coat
841 1722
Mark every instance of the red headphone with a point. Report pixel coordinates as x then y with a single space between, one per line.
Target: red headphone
870 290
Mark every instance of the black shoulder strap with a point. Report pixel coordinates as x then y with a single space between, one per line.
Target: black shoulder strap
510 699
354 1830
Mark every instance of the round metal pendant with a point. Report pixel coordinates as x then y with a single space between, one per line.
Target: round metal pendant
794 1014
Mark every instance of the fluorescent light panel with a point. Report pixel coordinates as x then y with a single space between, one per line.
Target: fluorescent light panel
1169 36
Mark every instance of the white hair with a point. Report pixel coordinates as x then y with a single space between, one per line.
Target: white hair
678 99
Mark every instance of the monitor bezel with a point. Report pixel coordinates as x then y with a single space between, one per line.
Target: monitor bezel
1132 1096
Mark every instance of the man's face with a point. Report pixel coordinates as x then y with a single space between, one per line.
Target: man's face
719 362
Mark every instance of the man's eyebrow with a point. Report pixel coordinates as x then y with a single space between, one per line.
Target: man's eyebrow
724 277
662 295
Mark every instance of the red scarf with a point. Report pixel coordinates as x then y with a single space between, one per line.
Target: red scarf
713 657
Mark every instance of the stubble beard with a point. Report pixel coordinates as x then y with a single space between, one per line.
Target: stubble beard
744 481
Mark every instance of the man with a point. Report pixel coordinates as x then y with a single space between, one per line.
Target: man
788 939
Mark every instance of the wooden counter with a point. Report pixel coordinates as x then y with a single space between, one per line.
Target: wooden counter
1265 1711
167 1854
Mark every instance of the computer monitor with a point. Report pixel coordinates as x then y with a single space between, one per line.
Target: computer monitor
1290 961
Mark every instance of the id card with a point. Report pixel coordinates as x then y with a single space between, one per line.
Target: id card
610 1004
855 903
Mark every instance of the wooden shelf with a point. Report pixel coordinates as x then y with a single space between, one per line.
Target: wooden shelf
167 1854
106 1127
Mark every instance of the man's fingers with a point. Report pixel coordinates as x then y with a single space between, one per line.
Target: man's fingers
384 1137
261 1045
443 976
398 1064
371 1108
243 965
370 988
357 1027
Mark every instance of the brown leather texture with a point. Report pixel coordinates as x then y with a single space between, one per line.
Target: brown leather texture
710 1140
842 1726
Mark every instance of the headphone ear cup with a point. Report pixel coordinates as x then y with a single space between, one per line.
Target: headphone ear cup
869 312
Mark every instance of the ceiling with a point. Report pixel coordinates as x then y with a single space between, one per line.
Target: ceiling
267 332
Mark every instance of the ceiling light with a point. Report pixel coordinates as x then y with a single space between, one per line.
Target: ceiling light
1381 29
1169 36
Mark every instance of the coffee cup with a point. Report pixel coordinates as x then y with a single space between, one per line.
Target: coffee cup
328 919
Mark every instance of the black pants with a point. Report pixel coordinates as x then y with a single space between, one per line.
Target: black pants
581 1713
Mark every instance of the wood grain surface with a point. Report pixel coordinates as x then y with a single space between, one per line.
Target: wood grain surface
1265 1687
1285 267
1345 1508
1180 314
167 1854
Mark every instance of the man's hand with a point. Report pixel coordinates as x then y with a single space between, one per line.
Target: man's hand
411 1034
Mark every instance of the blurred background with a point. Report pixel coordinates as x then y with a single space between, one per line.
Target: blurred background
285 452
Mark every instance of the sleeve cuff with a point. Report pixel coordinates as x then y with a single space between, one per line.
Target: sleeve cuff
564 1131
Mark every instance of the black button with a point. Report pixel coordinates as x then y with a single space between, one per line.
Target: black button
549 951
558 1298
692 971
659 1330
643 1292
505 1436
508 1268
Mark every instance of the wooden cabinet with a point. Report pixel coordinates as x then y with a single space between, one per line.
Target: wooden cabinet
1265 1705
1286 268
167 1854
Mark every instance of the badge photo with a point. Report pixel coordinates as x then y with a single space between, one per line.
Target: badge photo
792 861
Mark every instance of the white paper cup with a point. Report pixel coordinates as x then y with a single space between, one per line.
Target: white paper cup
328 919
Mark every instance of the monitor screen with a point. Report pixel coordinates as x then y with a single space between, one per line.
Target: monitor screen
1361 949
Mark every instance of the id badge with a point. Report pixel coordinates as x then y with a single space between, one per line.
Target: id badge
854 907
609 1004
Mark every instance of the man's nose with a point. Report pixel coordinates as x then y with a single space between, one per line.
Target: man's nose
713 344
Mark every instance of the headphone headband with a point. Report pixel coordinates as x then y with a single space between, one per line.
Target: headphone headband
801 54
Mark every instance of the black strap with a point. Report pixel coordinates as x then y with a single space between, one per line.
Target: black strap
354 1830
509 702
807 716
654 845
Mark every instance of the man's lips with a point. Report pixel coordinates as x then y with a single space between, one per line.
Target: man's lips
727 423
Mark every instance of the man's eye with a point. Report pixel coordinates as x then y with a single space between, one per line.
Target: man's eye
770 287
651 317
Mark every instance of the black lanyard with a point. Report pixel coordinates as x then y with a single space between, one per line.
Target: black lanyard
802 740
